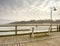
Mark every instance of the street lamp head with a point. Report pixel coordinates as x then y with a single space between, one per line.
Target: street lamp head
55 9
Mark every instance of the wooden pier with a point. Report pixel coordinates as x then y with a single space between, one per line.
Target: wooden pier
24 40
35 39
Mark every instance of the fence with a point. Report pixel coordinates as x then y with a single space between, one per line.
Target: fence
22 43
32 29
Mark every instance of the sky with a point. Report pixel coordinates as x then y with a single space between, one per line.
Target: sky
24 10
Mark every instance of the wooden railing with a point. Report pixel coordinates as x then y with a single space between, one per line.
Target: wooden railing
16 30
20 43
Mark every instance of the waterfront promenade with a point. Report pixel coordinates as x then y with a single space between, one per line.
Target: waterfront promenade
39 39
25 40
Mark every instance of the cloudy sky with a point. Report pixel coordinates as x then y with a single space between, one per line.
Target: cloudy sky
20 10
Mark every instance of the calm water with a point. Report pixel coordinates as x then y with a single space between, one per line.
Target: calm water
36 29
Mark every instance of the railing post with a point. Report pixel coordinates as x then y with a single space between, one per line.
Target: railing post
57 28
36 26
49 30
32 35
15 30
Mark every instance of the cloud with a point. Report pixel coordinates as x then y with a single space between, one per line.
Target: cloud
57 0
8 2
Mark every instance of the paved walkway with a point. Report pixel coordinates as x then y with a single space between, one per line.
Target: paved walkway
25 40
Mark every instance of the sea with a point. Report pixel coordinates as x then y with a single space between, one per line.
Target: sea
36 29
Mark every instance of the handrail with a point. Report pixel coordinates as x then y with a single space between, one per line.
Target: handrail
15 30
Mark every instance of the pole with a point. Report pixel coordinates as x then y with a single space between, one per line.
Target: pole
51 20
50 29
52 8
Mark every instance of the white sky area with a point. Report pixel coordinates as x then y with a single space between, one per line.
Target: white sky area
24 10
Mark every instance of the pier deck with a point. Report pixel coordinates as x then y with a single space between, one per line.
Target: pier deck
25 40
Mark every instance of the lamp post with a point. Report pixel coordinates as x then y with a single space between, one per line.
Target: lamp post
52 9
